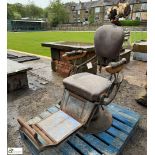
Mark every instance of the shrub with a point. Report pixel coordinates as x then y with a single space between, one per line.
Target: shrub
130 22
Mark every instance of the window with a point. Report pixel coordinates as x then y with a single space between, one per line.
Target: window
78 12
86 19
86 11
73 7
143 15
144 6
97 9
131 6
138 15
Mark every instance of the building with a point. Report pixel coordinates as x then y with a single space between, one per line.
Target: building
95 11
26 25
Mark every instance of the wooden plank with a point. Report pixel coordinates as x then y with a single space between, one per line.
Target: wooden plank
83 147
126 110
114 141
123 127
58 126
123 117
51 151
117 133
102 147
66 149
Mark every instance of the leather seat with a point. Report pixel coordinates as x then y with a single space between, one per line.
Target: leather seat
86 85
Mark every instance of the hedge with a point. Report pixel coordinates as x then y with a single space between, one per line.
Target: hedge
130 22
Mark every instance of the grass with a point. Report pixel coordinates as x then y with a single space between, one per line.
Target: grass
31 41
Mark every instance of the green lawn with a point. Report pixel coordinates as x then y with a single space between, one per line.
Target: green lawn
31 41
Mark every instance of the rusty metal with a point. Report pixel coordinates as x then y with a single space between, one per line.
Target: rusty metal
99 121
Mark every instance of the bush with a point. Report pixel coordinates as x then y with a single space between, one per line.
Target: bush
130 22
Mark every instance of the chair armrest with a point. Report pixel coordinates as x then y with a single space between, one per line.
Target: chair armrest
115 67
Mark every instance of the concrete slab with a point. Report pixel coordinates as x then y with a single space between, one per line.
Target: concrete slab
15 67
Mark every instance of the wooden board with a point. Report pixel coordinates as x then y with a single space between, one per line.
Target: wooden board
110 142
58 126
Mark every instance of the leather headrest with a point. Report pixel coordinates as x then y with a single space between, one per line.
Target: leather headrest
108 41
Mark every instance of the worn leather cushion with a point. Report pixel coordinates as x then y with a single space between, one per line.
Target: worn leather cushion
86 85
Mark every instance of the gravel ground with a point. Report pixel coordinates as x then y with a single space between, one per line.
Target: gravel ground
46 88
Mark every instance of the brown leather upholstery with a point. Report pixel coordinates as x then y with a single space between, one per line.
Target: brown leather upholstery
108 41
86 85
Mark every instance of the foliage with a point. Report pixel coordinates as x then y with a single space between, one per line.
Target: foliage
91 17
129 22
57 13
16 15
17 11
33 11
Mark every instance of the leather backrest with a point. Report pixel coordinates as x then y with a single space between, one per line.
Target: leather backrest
108 41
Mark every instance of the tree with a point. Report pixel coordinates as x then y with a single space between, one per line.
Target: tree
57 13
10 11
17 11
91 17
17 15
33 11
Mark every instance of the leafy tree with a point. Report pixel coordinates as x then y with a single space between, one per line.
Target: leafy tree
18 10
91 17
10 11
17 15
57 13
33 11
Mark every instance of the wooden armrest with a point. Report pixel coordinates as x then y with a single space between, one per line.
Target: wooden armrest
115 67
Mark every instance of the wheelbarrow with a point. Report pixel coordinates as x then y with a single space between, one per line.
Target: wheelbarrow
83 106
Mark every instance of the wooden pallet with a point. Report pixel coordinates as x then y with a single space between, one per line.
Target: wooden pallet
110 142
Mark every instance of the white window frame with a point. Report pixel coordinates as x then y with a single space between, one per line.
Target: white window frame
78 12
144 6
97 10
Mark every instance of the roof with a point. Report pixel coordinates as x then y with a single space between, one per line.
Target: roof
89 4
114 2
